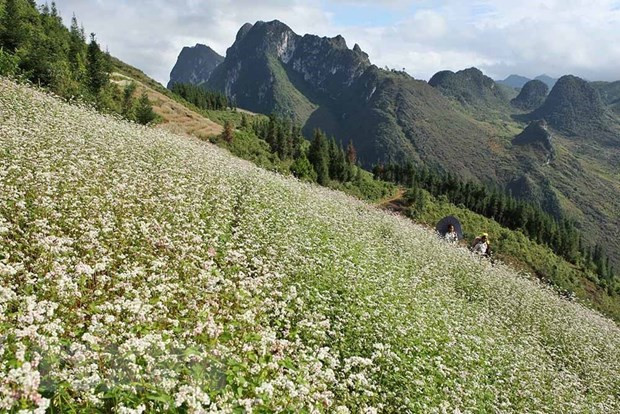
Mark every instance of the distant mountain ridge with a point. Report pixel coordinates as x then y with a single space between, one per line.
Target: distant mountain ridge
518 81
195 65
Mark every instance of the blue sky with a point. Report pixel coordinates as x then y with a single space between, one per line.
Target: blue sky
500 37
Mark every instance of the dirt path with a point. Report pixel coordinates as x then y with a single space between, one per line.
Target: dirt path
393 200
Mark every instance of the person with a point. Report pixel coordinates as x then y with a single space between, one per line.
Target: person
481 245
451 235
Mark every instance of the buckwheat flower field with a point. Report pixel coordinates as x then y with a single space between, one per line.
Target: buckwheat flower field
146 272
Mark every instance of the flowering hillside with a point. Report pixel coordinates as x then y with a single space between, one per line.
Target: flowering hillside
141 271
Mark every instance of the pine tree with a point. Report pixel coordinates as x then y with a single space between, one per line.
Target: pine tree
229 132
296 142
144 110
14 33
127 106
77 58
351 153
97 75
244 121
318 155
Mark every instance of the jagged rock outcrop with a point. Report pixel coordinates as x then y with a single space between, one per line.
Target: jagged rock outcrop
195 65
536 135
573 106
469 86
532 95
271 68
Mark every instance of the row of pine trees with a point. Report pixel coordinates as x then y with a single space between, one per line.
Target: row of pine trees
324 160
200 97
558 233
35 46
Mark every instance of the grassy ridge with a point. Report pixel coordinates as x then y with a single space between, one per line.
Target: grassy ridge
144 271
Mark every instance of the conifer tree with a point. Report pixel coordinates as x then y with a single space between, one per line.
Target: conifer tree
127 106
97 75
244 121
14 32
77 46
229 132
351 153
296 142
318 155
144 110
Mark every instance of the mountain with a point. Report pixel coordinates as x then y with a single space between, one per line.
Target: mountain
531 96
320 82
470 87
514 81
548 80
537 135
195 65
518 81
459 122
573 106
269 68
610 94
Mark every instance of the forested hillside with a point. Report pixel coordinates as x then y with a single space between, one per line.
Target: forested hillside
36 46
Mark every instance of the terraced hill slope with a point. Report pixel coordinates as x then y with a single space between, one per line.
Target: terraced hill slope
143 270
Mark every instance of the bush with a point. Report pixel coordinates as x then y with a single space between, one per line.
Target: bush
9 64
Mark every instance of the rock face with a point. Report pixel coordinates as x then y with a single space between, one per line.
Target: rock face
573 106
537 136
532 95
320 82
271 68
469 86
194 65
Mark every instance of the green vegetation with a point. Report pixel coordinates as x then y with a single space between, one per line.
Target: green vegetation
524 235
278 145
558 233
478 93
464 125
531 96
201 97
35 46
522 253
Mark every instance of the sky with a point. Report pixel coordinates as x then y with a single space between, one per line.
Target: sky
500 37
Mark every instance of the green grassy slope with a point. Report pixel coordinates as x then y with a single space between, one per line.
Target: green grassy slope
514 248
145 270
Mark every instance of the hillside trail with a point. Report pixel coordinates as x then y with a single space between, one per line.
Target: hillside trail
393 202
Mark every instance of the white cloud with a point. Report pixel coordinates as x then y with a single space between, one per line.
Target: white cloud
528 37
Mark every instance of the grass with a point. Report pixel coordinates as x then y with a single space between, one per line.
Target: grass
147 272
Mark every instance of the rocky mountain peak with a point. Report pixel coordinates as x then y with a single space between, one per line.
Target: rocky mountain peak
469 86
195 65
243 31
537 135
269 59
532 95
573 105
